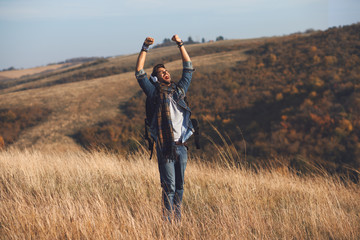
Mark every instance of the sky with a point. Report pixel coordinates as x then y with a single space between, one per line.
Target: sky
40 32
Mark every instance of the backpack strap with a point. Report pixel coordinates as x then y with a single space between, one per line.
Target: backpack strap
149 139
146 133
154 102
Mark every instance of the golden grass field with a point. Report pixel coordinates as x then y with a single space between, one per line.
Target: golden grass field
82 195
58 191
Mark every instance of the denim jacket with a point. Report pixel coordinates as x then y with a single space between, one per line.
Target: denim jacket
181 89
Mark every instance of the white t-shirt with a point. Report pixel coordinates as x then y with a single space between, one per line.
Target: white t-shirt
177 119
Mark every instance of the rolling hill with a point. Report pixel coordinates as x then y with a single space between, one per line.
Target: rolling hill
293 97
80 96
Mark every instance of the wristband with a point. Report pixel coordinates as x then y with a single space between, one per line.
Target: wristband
145 47
180 44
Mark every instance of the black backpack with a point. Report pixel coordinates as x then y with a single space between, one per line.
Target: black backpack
151 106
150 109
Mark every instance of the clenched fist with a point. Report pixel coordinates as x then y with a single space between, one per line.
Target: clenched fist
176 38
149 41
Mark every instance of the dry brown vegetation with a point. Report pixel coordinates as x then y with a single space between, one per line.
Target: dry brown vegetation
77 99
13 121
12 74
294 97
297 95
83 195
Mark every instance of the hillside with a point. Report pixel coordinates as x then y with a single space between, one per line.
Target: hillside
82 96
294 98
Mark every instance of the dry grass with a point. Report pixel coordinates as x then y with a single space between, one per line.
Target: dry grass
77 195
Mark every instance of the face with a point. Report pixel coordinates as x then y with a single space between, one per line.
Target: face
163 75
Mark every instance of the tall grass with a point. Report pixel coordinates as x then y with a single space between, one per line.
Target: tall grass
78 195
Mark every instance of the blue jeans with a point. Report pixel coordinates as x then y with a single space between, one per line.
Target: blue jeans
172 183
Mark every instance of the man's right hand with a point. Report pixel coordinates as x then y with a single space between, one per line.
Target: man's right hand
149 41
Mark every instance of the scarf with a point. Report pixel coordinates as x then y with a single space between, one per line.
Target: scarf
165 129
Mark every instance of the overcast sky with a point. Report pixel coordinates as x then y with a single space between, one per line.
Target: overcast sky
39 32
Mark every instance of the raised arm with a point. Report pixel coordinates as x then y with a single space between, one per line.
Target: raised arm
142 55
184 55
188 69
140 74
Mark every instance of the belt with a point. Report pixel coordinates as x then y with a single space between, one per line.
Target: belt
179 143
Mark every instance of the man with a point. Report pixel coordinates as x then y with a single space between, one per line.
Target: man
170 125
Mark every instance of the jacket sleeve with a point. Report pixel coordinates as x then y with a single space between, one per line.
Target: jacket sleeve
144 82
185 80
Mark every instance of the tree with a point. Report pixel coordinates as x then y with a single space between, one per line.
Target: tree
166 40
219 38
190 40
9 69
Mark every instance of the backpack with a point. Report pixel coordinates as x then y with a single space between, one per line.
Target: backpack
150 109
